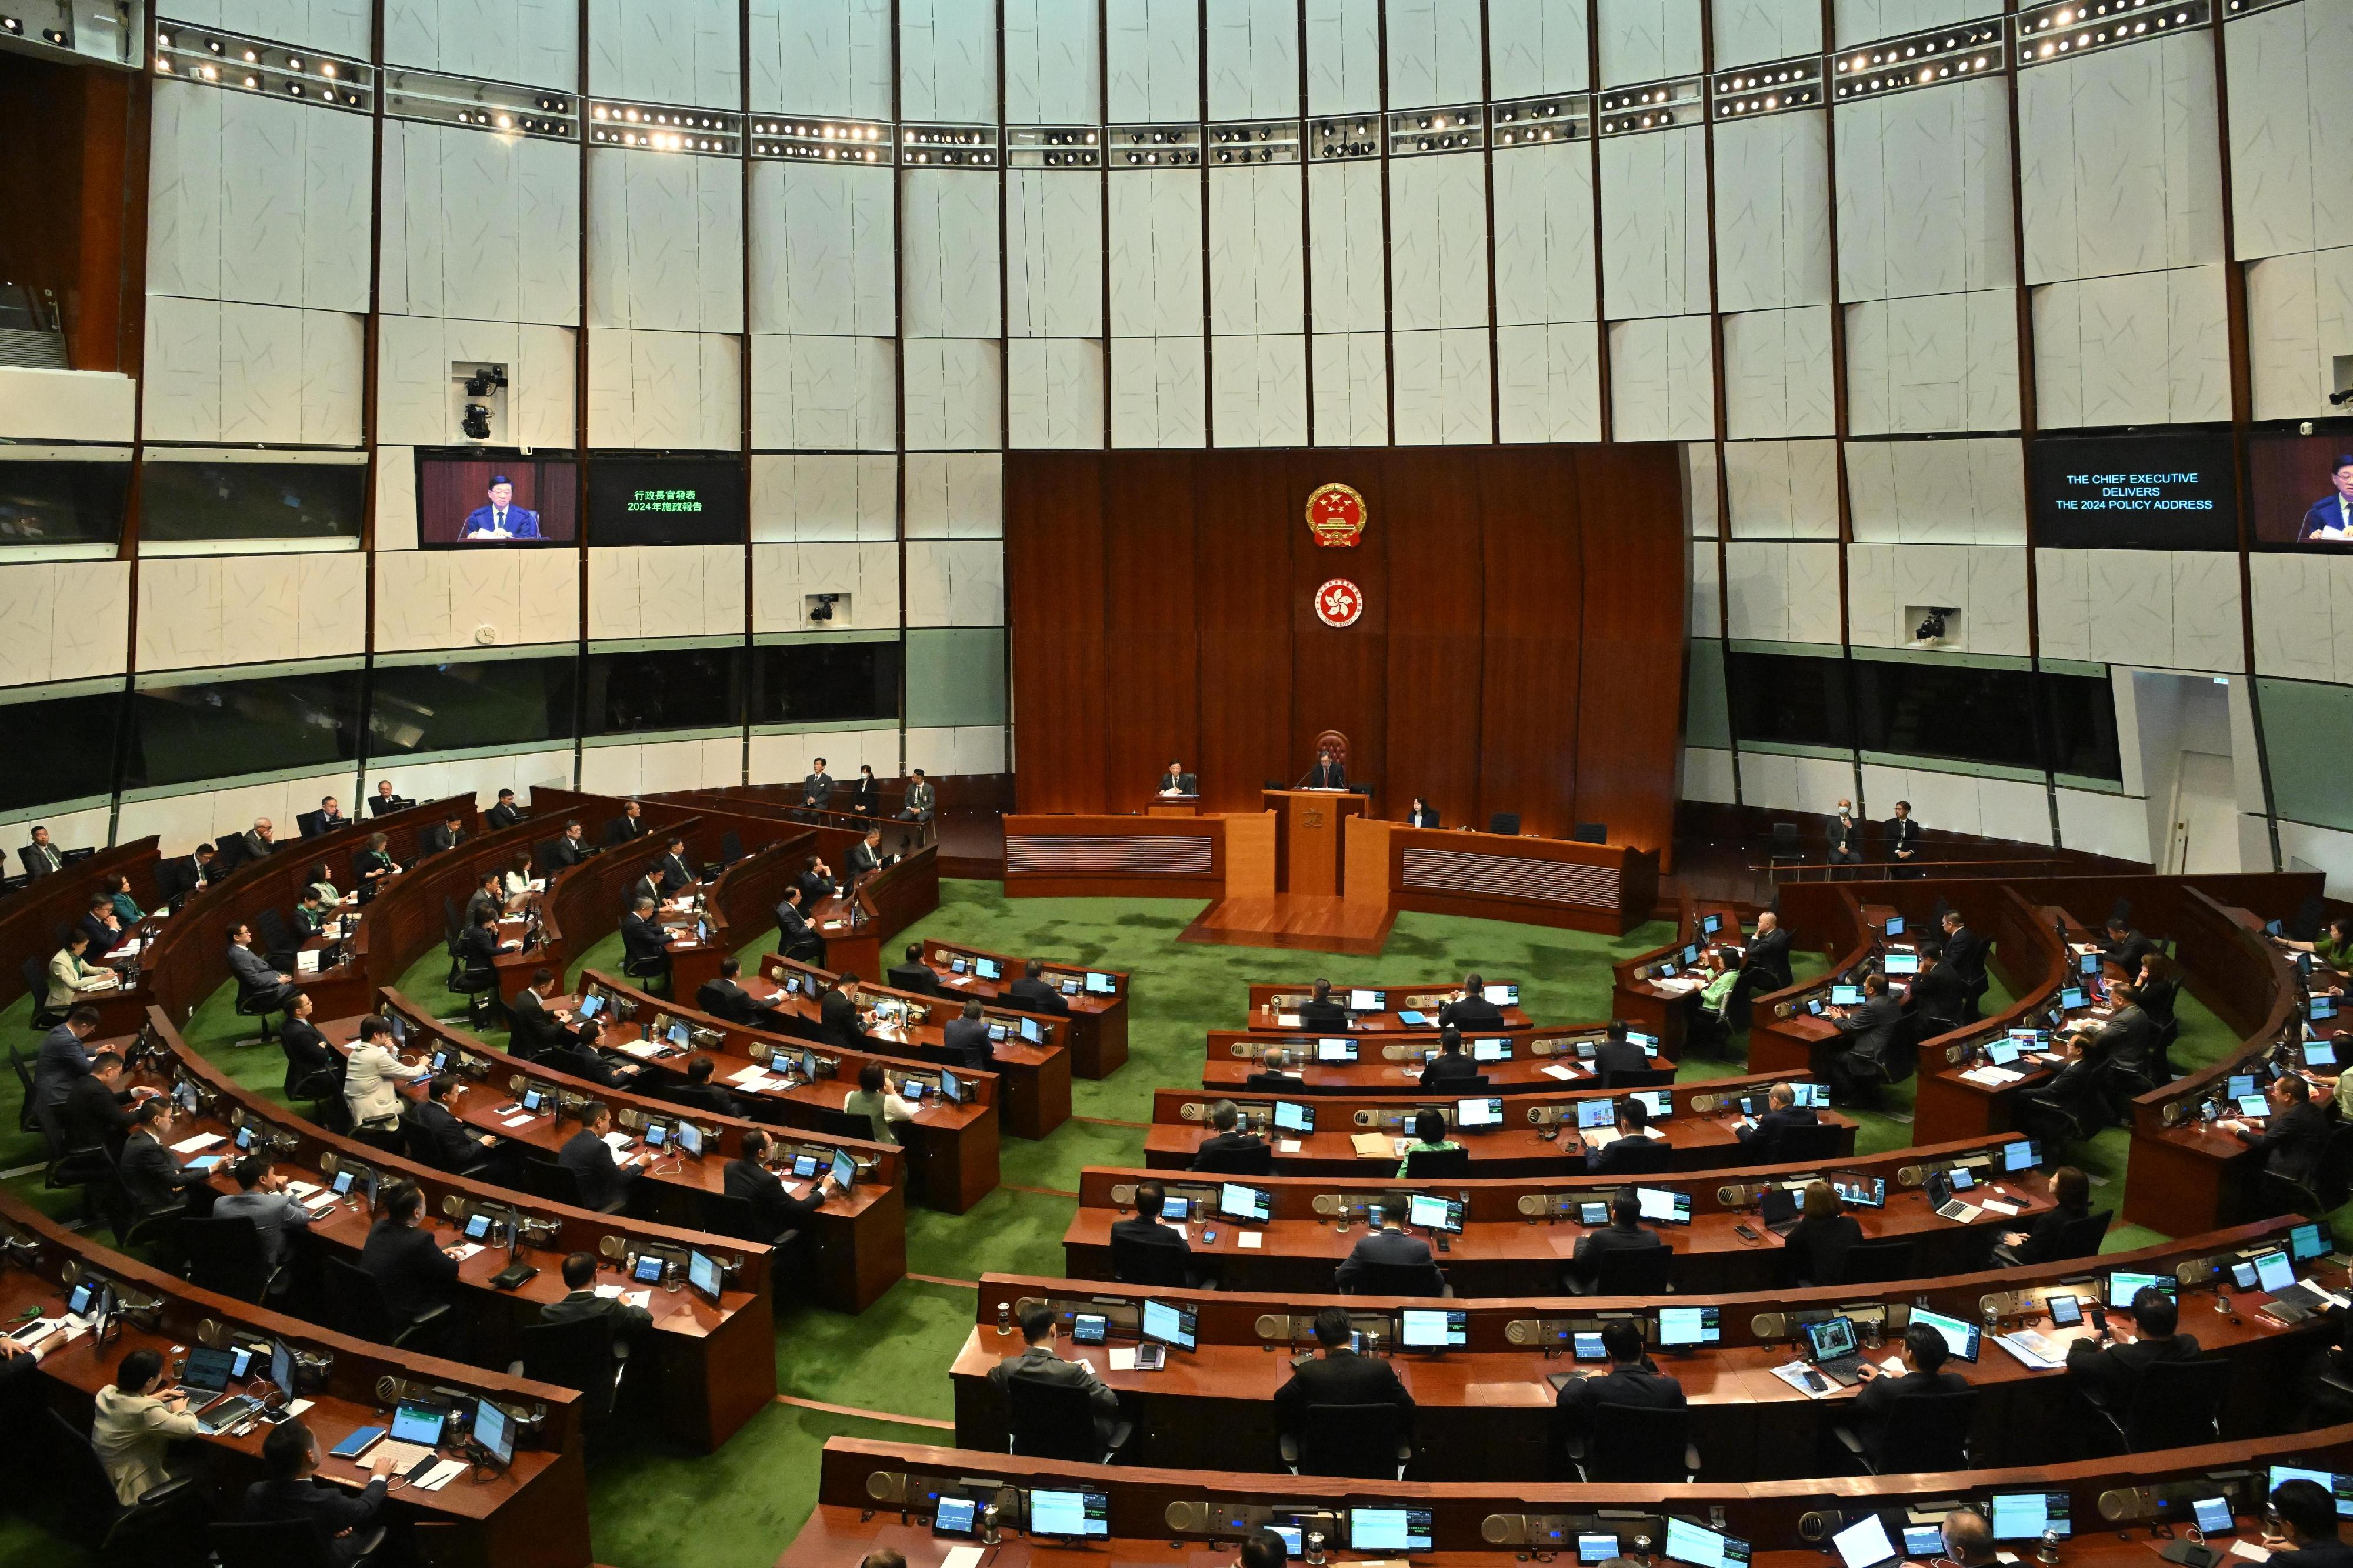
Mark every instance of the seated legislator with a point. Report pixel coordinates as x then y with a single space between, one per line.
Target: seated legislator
261 1197
1634 1152
1428 1138
2108 1375
1618 1052
2293 1136
1472 1010
1633 1379
1033 994
97 1109
570 848
307 1055
815 882
1762 1141
372 1075
580 1302
414 1274
1145 1228
506 813
1937 997
1768 953
444 837
796 938
40 857
1814 1251
136 1422
967 1036
383 800
701 1092
102 926
1320 1012
499 516
1270 1077
1327 772
433 1131
1038 1361
312 914
1174 780
2304 1528
490 893
920 803
579 1057
1382 1244
877 1099
1925 1353
261 840
837 1013
913 975
630 825
753 1178
725 996
1228 1151
62 1057
604 1186
1870 1031
255 978
152 1179
645 945
1625 1232
293 1491
1424 814
178 878
1450 1065
533 1028
1338 1375
2042 1244
675 875
2124 946
70 972
374 864
866 855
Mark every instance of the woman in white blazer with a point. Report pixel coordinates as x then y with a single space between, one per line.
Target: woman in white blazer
371 1082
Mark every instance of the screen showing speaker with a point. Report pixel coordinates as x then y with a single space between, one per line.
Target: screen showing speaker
2301 489
2175 492
479 501
636 500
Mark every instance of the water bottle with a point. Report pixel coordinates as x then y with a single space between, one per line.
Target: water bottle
1005 1316
988 1532
1642 1551
1312 1547
2048 1551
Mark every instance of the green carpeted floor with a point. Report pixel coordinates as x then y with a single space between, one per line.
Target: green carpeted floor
653 1507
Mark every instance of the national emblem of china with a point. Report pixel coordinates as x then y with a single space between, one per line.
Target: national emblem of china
1339 602
1335 516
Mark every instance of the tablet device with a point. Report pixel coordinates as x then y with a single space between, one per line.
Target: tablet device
360 1441
1089 1329
956 1514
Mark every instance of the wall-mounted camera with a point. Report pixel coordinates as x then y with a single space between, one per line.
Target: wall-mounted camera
821 607
478 398
1933 626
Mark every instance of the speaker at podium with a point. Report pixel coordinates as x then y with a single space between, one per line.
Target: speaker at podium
1308 818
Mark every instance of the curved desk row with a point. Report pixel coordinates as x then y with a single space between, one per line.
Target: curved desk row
1653 990
1536 1060
1097 1021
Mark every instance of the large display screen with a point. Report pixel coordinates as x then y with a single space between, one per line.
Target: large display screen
48 502
488 498
2301 488
2174 491
186 501
666 500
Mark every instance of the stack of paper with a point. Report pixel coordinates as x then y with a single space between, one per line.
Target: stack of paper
201 1141
1992 1077
1553 1069
1371 1146
1794 1374
2033 1349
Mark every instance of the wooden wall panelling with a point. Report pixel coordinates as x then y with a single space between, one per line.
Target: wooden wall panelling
1243 563
1529 678
1339 673
1054 568
1150 669
1629 713
1433 530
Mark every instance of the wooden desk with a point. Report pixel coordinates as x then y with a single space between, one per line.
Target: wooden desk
741 903
1700 1135
1517 1238
1275 1007
1036 1078
31 918
2034 965
717 1364
534 1514
1491 876
1650 999
403 921
1097 1033
1390 1063
1125 857
1307 826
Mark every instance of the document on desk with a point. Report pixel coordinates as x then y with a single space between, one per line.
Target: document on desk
625 1297
201 1141
1288 1020
754 1079
618 1142
1250 1240
1992 1077
1288 1145
440 1475
1601 1137
466 1250
1995 1205
1794 1374
644 1050
1553 1069
962 1557
511 1123
2033 1349
1123 1358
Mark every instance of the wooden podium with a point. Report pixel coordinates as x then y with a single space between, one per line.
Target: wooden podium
1307 837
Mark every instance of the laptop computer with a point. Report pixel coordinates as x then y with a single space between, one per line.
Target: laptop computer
1777 1210
1836 1353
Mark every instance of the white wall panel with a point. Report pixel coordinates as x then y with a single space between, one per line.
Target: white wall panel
2299 321
666 590
251 372
222 610
681 52
1663 379
654 766
436 598
1258 390
181 822
1154 50
1750 32
1434 53
1536 46
947 61
1543 235
69 620
1654 224
1772 212
955 394
1960 803
1055 390
1351 388
1938 492
665 389
960 751
2152 608
2120 169
483 777
1860 21
2303 615
665 242
1708 776
480 226
956 582
1550 382
1782 490
1156 258
955 495
1706 613
821 56
782 576
1053 57
338 27
824 241
81 405
1444 388
824 394
1810 785
414 355
1777 373
535 42
1256 250
1344 56
845 751
1346 257
1158 392
1925 366
1923 193
2147 350
1782 591
1254 58
1986 584
806 499
1053 254
2291 127
1644 40
1437 242
2100 824
1702 519
2326 849
949 253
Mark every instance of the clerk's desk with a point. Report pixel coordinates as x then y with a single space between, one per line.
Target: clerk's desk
873 1494
1034 1078
1700 1135
1276 1006
534 1514
1485 1411
1533 1061
1307 837
1519 1234
716 1366
1096 1025
857 1245
1658 992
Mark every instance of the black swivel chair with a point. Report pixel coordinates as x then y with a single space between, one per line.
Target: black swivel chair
2176 1405
226 1256
1136 1262
1424 1164
356 1304
1398 1279
164 1528
1258 1162
1363 1441
1821 1141
1590 833
1926 1431
1046 1420
1635 1271
580 1353
253 1003
1506 823
1636 1443
24 1120
1875 1262
37 986
1638 1078
283 1544
1786 850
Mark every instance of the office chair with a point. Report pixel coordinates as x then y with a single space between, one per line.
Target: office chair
252 1004
1506 823
306 823
1926 1431
1047 1420
1428 1162
356 1303
1398 1279
278 942
1134 1262
1590 833
1363 1441
578 1354
164 1528
730 849
37 986
542 859
1636 1443
1638 1078
1786 850
709 999
737 1217
547 1179
1258 1162
1874 1262
2176 1405
283 1543
68 1166
1625 1271
2077 1238
67 1478
227 1255
1822 1141
24 1119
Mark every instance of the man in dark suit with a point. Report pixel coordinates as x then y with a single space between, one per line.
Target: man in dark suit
97 1109
2107 1376
2293 1134
725 996
60 1058
415 1272
151 1177
40 857
432 1127
1450 1065
1174 780
2306 1533
1382 1244
1632 1379
1625 1232
1903 841
578 1055
1472 1010
383 800
448 834
489 897
866 855
1144 1227
178 878
293 1491
796 938
533 1028
1320 1012
102 926
775 1210
580 1302
1033 994
1338 1376
1634 1151
1038 1362
2330 518
914 975
837 1015
2124 947
506 813
1845 837
1925 1353
2128 1040
1223 1141
307 1051
701 1091
1935 996
329 817
817 789
1762 1140
1870 1032
630 825
645 945
589 1158
570 848
1270 1077
497 517
1769 953
646 886
1617 1053
676 875
967 1036
1965 955
478 948
1327 772
815 882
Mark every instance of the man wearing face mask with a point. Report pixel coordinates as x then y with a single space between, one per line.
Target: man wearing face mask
1846 836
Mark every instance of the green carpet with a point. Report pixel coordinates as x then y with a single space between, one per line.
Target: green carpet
745 1502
